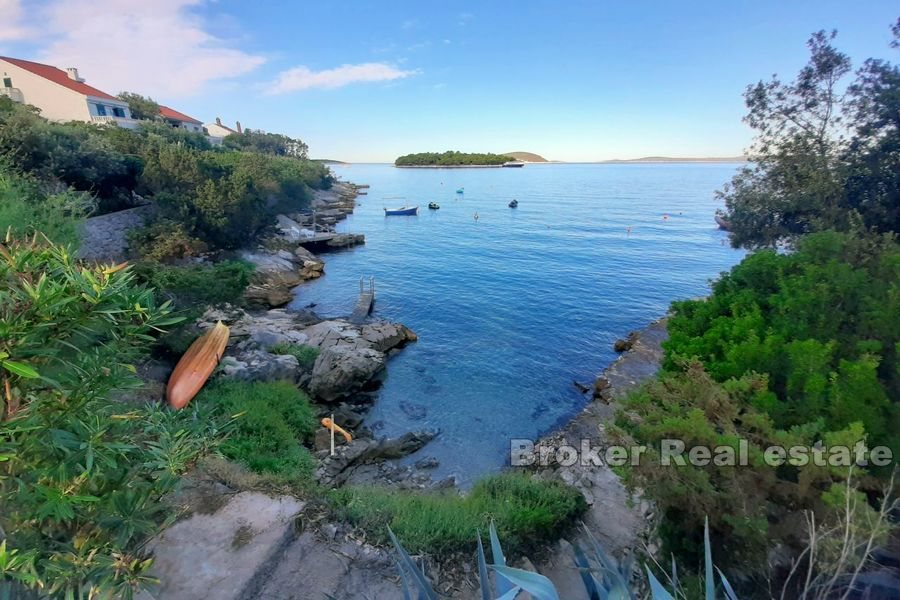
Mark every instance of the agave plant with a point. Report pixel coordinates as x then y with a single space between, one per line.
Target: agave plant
603 577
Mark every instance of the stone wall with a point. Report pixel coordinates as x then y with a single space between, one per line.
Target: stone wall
105 238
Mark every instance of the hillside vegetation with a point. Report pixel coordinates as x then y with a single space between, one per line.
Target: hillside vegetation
208 197
796 349
451 159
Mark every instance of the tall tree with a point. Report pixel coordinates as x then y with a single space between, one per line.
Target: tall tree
142 108
825 152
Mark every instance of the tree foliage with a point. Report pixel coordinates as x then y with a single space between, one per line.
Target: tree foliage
451 158
826 153
275 144
142 108
209 198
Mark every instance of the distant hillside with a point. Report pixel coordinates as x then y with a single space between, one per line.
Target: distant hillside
329 161
526 156
669 159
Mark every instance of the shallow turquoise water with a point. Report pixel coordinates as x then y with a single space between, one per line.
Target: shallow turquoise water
512 308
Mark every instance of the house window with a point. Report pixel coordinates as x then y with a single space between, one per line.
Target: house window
119 112
7 82
101 110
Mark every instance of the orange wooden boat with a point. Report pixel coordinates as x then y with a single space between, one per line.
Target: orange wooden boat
196 366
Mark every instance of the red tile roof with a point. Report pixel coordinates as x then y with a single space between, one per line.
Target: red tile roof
171 113
58 76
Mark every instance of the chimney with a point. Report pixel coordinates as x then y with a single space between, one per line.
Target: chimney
218 120
238 123
73 74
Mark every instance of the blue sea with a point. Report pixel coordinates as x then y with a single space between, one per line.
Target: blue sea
513 307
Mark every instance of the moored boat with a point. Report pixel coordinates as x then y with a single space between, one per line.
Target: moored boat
514 203
461 191
514 163
433 205
403 210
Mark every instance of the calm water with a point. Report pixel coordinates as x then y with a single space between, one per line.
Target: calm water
514 307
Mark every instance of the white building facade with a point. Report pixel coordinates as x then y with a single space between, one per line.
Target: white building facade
60 95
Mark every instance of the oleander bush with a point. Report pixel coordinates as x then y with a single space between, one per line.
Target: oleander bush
82 476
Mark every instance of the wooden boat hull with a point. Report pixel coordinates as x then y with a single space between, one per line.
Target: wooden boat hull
405 211
196 366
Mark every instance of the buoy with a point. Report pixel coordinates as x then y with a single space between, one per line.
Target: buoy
476 216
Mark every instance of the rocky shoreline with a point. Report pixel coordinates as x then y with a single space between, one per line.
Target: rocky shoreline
620 520
267 542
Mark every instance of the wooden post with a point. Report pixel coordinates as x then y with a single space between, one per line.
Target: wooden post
332 434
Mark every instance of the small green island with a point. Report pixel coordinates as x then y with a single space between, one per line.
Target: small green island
453 159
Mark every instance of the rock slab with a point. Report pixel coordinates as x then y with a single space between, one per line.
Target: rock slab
217 555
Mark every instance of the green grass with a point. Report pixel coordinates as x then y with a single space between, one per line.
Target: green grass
275 419
25 209
305 355
525 511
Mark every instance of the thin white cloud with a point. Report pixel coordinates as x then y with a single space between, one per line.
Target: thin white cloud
409 24
162 48
12 21
303 78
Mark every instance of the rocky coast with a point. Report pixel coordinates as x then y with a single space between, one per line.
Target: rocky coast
268 540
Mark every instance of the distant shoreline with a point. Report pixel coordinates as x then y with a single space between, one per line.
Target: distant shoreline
631 161
449 166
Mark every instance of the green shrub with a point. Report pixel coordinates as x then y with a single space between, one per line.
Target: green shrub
82 476
526 511
164 241
272 421
821 323
305 355
26 209
198 285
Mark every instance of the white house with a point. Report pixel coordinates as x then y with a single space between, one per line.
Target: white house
222 131
61 95
180 120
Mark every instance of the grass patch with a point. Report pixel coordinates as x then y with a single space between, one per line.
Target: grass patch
525 511
305 355
26 209
273 421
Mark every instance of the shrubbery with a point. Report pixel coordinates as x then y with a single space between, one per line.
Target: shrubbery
209 198
198 285
81 477
271 423
26 208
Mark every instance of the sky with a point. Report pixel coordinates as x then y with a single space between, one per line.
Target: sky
369 81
